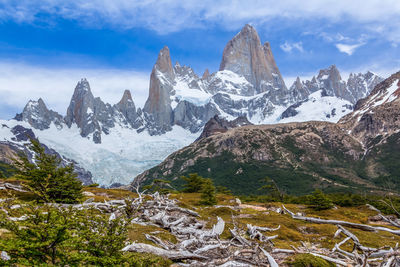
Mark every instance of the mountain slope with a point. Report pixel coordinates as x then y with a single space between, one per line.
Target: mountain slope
358 153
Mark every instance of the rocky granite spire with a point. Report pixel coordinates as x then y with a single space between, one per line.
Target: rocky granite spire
157 108
332 83
127 107
81 111
164 64
206 74
360 85
245 56
298 91
39 116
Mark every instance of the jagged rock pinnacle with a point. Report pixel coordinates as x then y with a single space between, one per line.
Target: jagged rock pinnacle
245 56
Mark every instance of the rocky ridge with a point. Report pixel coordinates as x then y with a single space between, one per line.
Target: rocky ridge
248 84
357 153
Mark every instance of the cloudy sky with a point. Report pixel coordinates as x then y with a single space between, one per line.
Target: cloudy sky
46 46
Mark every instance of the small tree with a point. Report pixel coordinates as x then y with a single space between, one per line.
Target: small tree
272 189
208 192
46 178
320 201
100 239
223 190
194 183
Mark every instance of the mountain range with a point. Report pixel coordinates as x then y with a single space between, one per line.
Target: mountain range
117 142
360 153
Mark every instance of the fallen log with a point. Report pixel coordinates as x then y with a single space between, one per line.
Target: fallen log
360 226
170 254
271 259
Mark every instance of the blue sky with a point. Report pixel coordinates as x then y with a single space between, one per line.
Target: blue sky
47 45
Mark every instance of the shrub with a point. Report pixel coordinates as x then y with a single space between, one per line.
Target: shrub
320 201
308 260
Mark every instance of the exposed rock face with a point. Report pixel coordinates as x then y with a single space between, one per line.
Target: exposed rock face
205 74
360 85
330 82
39 116
81 111
220 125
158 105
94 117
245 56
299 91
127 107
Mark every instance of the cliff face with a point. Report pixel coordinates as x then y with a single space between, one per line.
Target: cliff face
39 116
245 56
158 104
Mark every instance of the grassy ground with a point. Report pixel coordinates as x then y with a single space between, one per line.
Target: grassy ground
291 231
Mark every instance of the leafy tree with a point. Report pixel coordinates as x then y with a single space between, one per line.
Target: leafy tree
208 192
272 189
194 183
46 178
320 201
41 237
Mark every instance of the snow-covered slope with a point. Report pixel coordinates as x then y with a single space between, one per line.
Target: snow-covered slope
317 108
15 138
122 154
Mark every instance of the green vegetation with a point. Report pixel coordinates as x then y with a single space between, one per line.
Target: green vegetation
54 236
208 193
308 260
46 178
6 170
245 177
387 155
319 201
196 184
272 189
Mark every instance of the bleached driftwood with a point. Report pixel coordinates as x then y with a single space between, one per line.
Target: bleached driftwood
360 226
170 254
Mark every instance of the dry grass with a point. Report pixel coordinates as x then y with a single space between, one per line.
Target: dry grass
291 232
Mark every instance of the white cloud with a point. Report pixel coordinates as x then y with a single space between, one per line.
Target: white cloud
19 83
347 48
166 16
288 47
